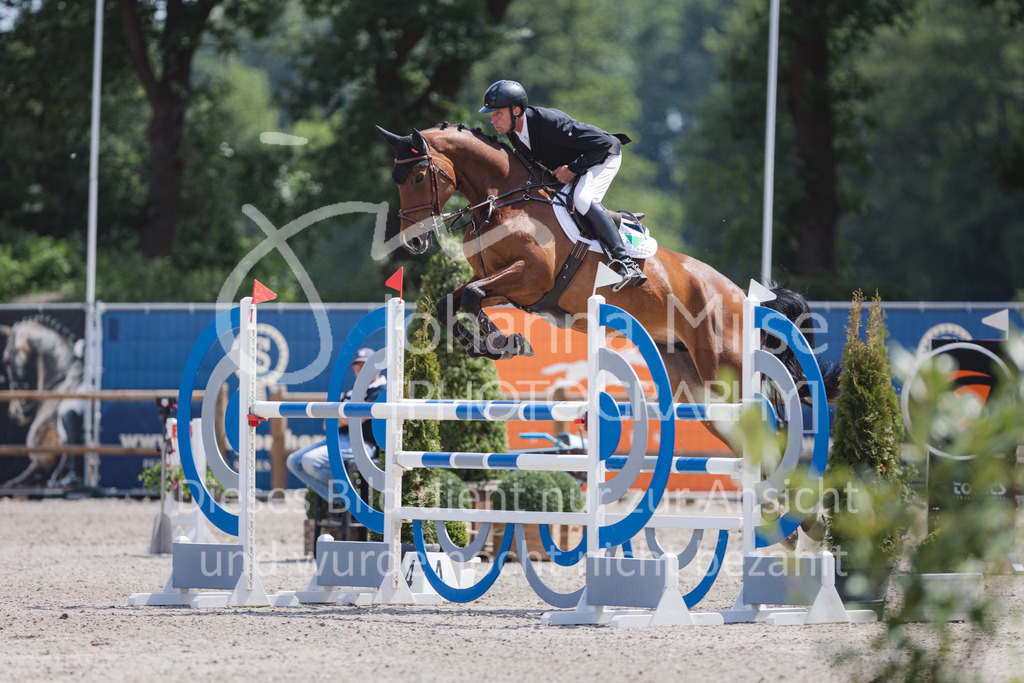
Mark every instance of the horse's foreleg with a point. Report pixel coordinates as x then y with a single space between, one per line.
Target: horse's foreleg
447 315
489 342
496 345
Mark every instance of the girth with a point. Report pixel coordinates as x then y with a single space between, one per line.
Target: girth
547 306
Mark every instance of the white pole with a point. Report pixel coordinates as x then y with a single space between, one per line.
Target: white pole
91 356
595 385
749 382
94 155
393 444
769 146
249 589
246 445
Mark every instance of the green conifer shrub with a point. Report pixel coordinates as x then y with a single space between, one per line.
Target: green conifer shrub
868 498
463 377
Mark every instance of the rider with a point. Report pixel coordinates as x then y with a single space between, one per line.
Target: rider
571 149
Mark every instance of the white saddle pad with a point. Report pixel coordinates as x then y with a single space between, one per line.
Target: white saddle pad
639 245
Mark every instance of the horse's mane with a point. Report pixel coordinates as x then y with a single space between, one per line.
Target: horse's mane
53 325
478 132
54 341
495 142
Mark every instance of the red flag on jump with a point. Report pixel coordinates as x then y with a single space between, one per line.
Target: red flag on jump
261 293
395 281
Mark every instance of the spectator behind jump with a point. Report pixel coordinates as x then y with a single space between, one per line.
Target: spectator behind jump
312 464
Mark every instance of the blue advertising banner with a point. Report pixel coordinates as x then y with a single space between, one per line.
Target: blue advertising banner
912 325
146 347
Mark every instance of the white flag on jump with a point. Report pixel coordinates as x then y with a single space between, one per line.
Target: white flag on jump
605 276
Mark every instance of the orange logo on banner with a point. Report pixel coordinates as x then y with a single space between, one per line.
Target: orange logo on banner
558 371
981 388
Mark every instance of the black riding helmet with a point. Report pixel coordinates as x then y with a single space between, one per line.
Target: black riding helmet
504 94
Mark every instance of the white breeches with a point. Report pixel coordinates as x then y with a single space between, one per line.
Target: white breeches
595 182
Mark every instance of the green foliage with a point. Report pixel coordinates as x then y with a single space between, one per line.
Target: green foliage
34 264
819 139
453 493
921 113
971 528
361 63
175 480
595 76
44 141
422 377
972 537
536 491
869 497
311 499
135 278
421 487
949 122
462 377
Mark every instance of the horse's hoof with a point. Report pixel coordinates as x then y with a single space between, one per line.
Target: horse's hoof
516 345
520 347
526 348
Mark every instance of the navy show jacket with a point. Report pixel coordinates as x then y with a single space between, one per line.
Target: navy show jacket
557 139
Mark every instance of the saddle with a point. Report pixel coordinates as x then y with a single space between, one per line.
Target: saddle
547 306
628 218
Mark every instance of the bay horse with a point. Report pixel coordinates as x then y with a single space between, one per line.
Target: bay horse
517 252
38 356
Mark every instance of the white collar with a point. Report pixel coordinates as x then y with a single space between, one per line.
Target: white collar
524 136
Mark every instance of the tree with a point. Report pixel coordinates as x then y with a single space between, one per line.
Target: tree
46 75
162 39
421 486
46 78
675 70
869 496
820 122
948 106
361 63
395 64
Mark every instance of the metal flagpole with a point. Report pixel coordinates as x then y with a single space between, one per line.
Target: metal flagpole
92 330
769 146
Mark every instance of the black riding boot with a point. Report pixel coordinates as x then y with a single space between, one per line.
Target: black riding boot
603 227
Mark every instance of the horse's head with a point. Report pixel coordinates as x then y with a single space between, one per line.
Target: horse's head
425 182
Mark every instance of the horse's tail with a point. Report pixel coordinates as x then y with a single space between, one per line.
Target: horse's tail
794 306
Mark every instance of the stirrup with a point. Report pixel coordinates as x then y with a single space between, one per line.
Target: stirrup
631 274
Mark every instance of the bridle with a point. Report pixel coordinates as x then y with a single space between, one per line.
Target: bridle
519 194
426 159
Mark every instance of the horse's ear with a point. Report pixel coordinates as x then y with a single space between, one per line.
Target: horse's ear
5 330
391 138
419 143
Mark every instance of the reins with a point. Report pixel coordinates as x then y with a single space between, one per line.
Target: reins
451 220
494 202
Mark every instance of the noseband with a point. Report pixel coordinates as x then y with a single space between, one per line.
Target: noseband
519 194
